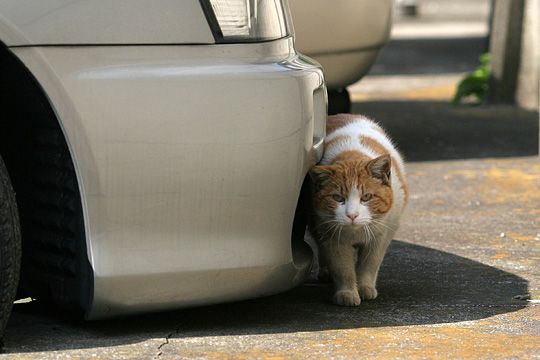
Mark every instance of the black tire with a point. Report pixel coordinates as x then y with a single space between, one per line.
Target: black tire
10 248
55 266
339 102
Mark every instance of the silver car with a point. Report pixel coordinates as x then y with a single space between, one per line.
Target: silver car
155 152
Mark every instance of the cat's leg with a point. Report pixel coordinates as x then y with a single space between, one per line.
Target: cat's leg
367 267
319 259
341 260
324 275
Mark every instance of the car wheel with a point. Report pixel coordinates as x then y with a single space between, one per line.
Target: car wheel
10 248
339 102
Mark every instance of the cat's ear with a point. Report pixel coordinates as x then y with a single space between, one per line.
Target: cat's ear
380 168
321 174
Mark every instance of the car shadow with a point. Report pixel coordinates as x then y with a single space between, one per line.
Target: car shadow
436 130
430 56
417 285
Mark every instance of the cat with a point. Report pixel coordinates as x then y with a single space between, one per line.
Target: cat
358 196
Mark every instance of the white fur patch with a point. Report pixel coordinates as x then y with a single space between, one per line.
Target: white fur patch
353 132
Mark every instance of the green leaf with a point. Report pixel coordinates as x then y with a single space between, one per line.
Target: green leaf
475 84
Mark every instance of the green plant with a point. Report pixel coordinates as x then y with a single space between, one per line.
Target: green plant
476 84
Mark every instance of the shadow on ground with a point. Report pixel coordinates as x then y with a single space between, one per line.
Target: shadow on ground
418 285
427 130
429 56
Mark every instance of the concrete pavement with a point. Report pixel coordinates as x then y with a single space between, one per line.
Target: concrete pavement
461 280
428 55
468 246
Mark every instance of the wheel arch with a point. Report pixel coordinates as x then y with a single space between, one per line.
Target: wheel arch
55 263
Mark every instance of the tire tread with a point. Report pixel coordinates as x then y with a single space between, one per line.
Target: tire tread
10 248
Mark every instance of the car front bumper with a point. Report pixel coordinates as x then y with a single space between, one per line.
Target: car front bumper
190 161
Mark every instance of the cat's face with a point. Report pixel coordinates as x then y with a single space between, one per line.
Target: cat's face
353 193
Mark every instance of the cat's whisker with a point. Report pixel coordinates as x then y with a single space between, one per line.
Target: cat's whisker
330 228
371 244
380 223
372 237
339 233
363 220
326 222
375 228
370 234
336 228
365 233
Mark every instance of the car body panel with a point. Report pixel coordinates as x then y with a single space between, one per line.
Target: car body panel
69 22
190 161
343 35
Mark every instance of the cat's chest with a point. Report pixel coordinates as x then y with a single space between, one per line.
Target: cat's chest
358 236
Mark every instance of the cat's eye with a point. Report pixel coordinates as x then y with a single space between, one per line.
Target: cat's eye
366 197
338 198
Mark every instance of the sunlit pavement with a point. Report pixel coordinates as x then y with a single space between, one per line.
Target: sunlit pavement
428 55
461 280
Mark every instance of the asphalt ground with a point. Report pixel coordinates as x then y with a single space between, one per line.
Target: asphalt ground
461 279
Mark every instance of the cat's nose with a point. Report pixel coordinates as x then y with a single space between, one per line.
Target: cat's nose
352 216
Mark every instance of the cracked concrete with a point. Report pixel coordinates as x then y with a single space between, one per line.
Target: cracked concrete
166 342
468 245
461 280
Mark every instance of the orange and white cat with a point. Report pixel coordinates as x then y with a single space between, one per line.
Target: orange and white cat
359 194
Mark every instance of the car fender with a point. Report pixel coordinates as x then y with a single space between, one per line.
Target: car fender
166 180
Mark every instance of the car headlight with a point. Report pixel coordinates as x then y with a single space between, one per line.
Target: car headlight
247 20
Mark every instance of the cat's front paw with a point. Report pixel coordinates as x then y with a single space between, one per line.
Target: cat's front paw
346 298
367 292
